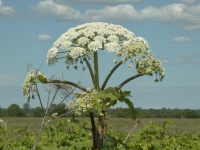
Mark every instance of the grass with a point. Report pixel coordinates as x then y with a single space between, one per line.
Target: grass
121 125
179 125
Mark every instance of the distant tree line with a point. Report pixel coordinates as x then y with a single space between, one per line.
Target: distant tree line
156 113
14 110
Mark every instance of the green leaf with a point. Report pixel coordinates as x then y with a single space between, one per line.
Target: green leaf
110 97
125 93
123 98
131 107
113 91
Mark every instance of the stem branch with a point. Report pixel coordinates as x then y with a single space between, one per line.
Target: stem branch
128 80
109 75
67 82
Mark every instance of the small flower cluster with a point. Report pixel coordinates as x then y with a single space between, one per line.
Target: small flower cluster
54 115
85 102
29 85
140 54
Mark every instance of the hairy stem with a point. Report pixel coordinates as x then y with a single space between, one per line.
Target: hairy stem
110 74
48 107
94 131
43 119
62 100
128 80
96 71
39 133
38 94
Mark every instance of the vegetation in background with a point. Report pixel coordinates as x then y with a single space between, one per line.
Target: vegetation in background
157 134
112 112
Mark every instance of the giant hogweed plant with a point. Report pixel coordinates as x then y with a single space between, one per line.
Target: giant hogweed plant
82 44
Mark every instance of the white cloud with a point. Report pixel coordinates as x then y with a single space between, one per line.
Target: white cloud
180 61
58 11
191 58
101 1
166 13
176 13
188 1
6 10
190 55
44 37
192 27
181 39
117 13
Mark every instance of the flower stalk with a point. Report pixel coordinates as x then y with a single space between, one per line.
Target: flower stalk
67 82
96 72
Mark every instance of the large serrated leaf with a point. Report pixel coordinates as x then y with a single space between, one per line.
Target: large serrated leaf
131 107
123 98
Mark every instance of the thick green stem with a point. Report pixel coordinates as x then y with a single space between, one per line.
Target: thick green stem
94 132
112 71
110 74
101 129
128 80
96 72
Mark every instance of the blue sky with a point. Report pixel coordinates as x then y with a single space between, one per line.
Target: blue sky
172 28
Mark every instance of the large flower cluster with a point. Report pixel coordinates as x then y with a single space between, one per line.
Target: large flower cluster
83 40
90 37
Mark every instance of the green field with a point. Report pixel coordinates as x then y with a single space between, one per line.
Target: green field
150 134
122 125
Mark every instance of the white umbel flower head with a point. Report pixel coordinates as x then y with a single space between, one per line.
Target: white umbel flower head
91 37
112 47
113 38
66 45
141 39
94 46
100 39
85 39
51 56
76 52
